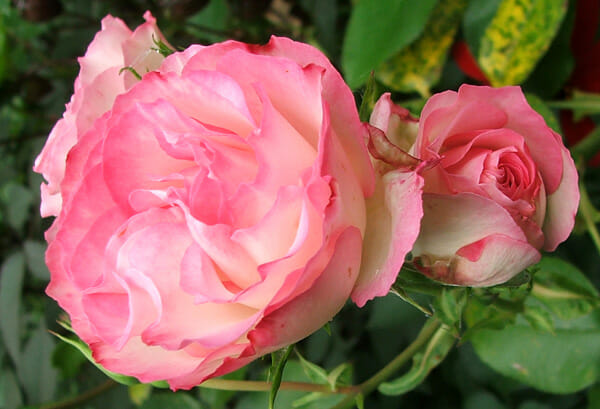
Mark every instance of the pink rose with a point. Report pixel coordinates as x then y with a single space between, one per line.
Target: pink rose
499 185
99 82
212 211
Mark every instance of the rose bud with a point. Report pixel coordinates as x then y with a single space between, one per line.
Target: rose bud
499 186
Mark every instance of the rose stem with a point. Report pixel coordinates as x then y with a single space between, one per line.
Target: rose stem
259 386
79 399
430 327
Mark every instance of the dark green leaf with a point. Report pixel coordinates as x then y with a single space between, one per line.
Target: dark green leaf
85 350
35 258
11 284
432 354
563 289
477 18
564 362
139 393
17 201
67 360
482 399
35 369
449 305
377 30
276 376
368 99
10 390
170 400
538 315
593 396
313 371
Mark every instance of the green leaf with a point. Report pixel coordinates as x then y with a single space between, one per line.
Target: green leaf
554 69
10 390
11 285
17 201
518 36
38 376
563 289
419 66
313 371
538 316
368 99
85 350
563 362
593 396
279 365
477 18
450 304
541 108
35 258
482 399
139 393
67 360
413 281
168 400
377 30
433 353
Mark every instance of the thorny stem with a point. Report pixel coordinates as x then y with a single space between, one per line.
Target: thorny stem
76 401
371 384
352 392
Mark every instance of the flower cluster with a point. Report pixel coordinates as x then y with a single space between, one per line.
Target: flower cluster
224 201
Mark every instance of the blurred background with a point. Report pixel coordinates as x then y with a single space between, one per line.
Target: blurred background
416 48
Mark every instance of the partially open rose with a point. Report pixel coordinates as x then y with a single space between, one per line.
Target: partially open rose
499 185
210 212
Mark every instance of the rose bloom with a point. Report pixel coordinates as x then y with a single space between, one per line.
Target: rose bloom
212 211
499 185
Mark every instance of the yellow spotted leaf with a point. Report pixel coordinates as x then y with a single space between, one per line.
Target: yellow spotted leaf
517 37
418 66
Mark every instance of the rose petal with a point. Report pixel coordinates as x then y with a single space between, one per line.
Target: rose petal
393 215
562 206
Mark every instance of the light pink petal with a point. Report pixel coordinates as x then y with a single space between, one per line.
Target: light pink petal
272 237
393 218
454 221
84 230
492 260
293 90
455 231
147 363
200 278
139 50
228 255
104 51
341 103
543 143
280 276
397 123
562 205
320 303
133 158
215 363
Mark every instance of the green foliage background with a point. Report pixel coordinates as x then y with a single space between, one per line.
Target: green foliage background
546 357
